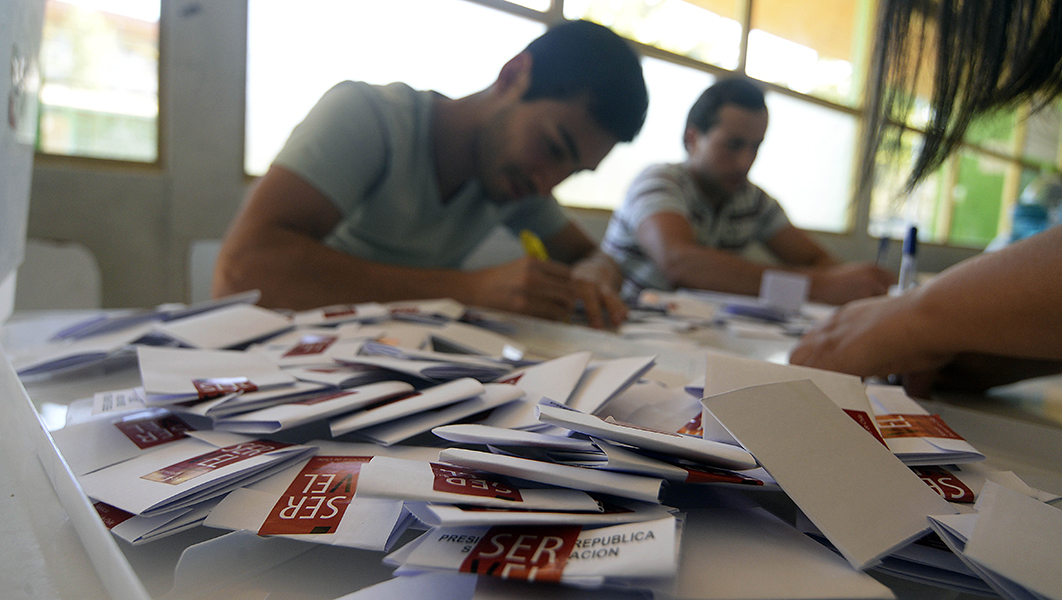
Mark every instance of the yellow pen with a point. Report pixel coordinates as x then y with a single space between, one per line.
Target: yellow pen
533 246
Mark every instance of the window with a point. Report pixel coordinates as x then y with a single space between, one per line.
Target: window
99 79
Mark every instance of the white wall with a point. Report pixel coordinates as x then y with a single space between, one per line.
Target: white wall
140 222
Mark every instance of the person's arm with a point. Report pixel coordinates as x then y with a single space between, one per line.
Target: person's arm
830 281
1003 303
597 277
274 245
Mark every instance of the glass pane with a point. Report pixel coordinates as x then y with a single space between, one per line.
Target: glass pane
705 30
891 211
1042 136
99 79
672 91
816 52
806 162
994 132
428 44
978 197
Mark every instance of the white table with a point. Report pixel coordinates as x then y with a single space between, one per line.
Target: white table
53 546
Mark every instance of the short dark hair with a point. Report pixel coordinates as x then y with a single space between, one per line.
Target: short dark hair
740 91
577 58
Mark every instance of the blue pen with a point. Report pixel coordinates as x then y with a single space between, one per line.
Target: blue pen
909 262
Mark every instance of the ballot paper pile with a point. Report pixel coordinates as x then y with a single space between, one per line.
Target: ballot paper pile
445 446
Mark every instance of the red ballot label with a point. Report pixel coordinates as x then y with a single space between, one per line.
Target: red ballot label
865 422
112 516
529 553
153 431
901 426
216 387
311 344
693 427
317 498
340 310
456 480
511 379
705 474
943 482
211 461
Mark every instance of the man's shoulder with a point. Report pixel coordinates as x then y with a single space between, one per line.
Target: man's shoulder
398 96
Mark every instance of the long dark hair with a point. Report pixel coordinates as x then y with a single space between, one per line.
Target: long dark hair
986 55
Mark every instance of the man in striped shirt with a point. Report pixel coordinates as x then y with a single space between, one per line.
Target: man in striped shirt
684 225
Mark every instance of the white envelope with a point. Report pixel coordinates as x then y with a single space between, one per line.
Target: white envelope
571 554
699 450
624 485
421 400
435 482
404 428
342 376
366 312
189 471
554 379
138 530
242 402
914 435
602 381
431 370
727 373
314 346
615 511
110 439
226 327
841 478
623 459
475 433
315 408
172 375
316 500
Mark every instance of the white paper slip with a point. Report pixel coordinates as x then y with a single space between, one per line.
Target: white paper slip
116 401
227 327
378 348
316 500
557 553
241 402
613 512
456 336
341 376
430 370
679 305
603 380
438 310
554 379
436 482
366 312
1019 539
107 440
963 483
495 395
188 471
64 356
172 375
862 498
623 459
309 347
474 433
139 530
408 404
652 404
914 435
748 553
727 373
624 485
678 445
314 408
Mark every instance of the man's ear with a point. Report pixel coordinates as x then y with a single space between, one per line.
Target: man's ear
515 76
689 138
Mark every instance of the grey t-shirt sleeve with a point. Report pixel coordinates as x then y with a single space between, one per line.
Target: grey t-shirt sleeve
773 219
654 191
542 214
341 147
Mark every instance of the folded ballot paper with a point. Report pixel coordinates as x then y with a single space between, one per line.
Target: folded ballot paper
111 438
423 481
1012 542
613 512
404 427
409 404
66 355
368 312
311 409
229 327
242 402
861 497
698 450
456 336
554 380
425 364
914 435
630 554
317 500
172 375
204 465
727 373
314 346
137 529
